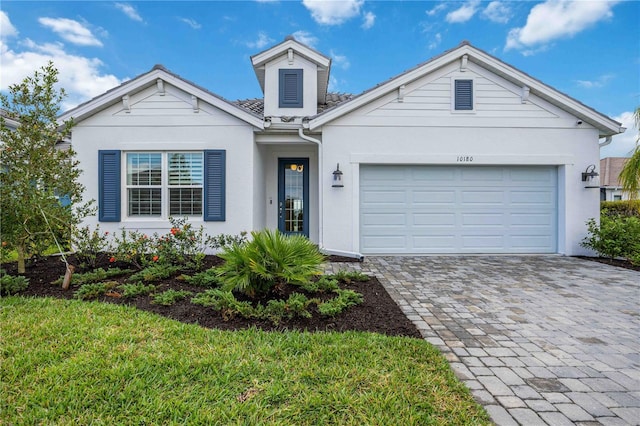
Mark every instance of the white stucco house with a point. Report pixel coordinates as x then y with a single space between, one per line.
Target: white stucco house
461 154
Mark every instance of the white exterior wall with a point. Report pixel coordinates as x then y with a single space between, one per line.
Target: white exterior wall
423 130
272 87
169 123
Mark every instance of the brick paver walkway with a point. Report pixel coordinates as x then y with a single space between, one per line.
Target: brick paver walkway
538 339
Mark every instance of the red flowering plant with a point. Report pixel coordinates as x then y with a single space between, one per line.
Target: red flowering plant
183 245
133 247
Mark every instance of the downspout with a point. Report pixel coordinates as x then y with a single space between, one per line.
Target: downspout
321 198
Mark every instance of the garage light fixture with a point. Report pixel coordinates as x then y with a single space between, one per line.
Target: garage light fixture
590 177
337 177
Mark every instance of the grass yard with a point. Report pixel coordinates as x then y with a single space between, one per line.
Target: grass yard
71 362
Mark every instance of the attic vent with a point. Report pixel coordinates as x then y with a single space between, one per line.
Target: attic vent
463 95
290 88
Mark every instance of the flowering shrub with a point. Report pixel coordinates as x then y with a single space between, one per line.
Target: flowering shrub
183 245
133 247
90 245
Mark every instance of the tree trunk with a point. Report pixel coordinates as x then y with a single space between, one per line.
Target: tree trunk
20 249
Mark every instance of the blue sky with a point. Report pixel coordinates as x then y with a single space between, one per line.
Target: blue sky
589 50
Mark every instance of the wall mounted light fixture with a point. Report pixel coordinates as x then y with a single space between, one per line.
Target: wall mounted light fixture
590 177
337 177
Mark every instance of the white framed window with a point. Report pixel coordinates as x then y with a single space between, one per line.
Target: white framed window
162 184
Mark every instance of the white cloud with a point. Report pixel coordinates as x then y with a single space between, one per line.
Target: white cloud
6 28
555 19
597 83
339 60
305 37
622 145
130 11
71 31
81 77
438 8
463 13
332 12
435 42
262 41
191 22
498 12
369 19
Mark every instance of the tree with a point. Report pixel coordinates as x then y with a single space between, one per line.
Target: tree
33 171
630 174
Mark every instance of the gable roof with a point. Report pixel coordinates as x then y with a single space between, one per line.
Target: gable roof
605 125
323 62
159 72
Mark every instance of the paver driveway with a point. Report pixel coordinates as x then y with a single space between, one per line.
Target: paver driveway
538 339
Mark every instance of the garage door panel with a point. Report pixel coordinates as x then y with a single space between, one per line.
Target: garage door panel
384 219
458 209
434 219
482 197
431 197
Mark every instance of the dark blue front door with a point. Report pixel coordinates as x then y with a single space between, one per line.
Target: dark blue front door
293 195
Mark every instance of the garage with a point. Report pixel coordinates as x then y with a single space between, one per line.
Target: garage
458 209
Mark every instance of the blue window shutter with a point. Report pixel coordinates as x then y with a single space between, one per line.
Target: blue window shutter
109 186
214 185
464 95
290 88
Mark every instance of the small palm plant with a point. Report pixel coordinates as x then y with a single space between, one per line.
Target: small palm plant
270 259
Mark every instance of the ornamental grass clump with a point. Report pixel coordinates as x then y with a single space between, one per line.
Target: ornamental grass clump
271 259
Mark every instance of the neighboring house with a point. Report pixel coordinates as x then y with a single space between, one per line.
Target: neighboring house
461 154
610 186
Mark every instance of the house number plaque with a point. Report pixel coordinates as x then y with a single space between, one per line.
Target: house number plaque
464 158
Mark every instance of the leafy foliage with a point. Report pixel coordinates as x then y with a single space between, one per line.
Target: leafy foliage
94 276
350 276
10 284
620 208
169 297
345 299
324 283
630 173
89 245
133 247
34 171
616 236
269 259
137 289
226 240
154 273
208 278
94 290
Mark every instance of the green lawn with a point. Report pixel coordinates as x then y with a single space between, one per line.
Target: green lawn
72 362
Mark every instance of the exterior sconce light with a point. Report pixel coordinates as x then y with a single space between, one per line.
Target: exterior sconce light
337 177
590 177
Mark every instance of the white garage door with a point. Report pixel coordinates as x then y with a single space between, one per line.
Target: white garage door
468 209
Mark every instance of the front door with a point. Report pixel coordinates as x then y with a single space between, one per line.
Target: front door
293 195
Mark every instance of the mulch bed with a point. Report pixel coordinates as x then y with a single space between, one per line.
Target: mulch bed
378 313
621 263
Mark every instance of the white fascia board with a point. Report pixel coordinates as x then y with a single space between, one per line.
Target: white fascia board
598 120
146 80
280 49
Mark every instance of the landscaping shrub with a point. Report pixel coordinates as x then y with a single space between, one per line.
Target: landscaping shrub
269 259
132 247
134 290
182 245
324 283
620 208
10 284
615 237
208 278
89 245
345 299
169 297
349 276
94 276
226 240
93 290
154 273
